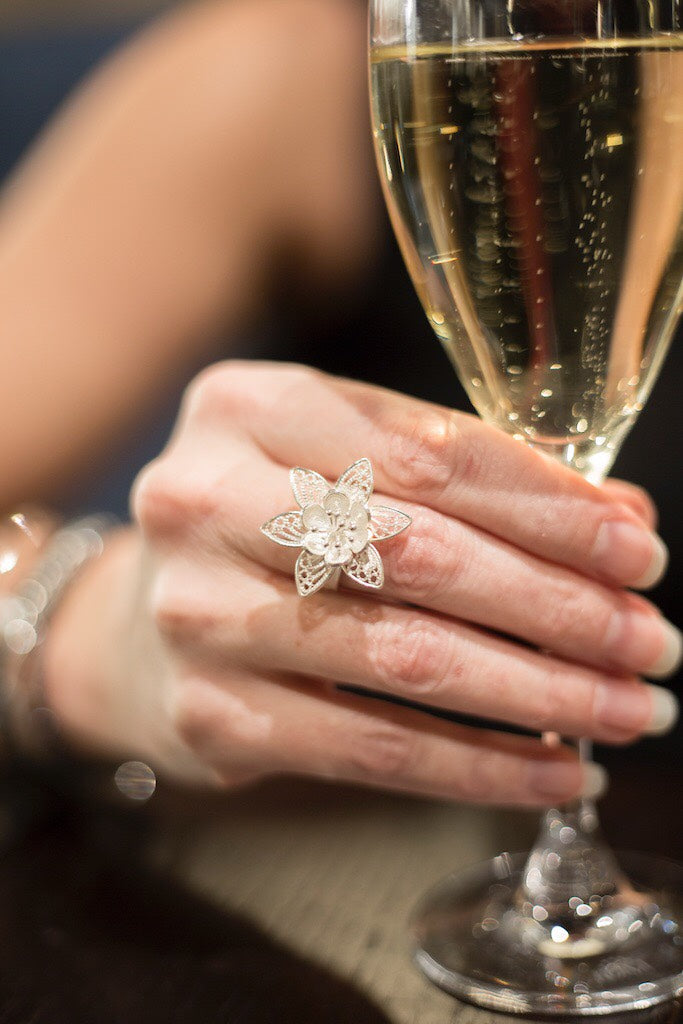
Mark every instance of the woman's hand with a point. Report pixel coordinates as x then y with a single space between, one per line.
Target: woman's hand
205 661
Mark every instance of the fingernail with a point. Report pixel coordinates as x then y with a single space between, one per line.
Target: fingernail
639 639
657 567
627 554
672 653
635 708
665 710
563 780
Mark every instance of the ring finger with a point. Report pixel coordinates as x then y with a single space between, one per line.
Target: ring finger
411 654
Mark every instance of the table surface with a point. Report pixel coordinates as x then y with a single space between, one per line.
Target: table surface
333 874
283 904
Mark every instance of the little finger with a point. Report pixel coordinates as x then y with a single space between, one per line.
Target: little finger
289 725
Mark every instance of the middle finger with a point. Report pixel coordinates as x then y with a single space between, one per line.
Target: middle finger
451 567
440 563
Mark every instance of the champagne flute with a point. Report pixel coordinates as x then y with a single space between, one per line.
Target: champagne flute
531 154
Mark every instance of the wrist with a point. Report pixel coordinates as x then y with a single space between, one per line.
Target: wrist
83 648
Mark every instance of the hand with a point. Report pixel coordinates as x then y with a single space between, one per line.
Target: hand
215 669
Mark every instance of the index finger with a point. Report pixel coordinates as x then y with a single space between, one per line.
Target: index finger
425 453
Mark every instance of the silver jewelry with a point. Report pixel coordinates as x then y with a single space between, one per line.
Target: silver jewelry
25 615
336 528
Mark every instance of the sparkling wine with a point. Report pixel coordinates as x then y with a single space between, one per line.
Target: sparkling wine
532 195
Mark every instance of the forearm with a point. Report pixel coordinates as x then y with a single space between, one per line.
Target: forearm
79 670
106 674
123 246
148 220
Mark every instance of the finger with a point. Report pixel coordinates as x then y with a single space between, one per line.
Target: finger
636 498
262 725
404 652
439 563
429 455
434 660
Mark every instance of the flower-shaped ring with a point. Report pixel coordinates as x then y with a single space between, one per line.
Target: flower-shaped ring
336 528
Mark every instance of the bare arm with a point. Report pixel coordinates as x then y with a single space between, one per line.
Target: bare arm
148 216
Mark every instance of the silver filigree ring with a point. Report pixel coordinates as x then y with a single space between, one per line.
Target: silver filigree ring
336 528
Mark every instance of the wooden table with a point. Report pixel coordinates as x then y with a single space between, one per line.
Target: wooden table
333 874
285 904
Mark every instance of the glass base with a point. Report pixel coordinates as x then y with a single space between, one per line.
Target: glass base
474 941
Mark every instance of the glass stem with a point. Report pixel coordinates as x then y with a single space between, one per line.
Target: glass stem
570 868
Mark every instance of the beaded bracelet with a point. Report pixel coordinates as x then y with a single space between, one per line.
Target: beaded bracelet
25 614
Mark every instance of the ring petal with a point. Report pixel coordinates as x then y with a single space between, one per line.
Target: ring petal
366 568
311 573
357 481
286 529
386 522
309 487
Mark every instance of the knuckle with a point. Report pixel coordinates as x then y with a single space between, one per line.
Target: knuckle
557 702
383 751
593 620
295 384
546 711
548 513
230 391
561 509
428 560
216 738
171 616
411 656
563 616
470 458
167 503
483 781
148 502
216 391
180 619
194 713
420 453
558 620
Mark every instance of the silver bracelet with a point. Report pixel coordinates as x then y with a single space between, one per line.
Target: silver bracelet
24 619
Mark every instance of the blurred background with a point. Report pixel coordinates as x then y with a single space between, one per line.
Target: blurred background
54 13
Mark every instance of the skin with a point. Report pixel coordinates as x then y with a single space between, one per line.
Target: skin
185 644
233 676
